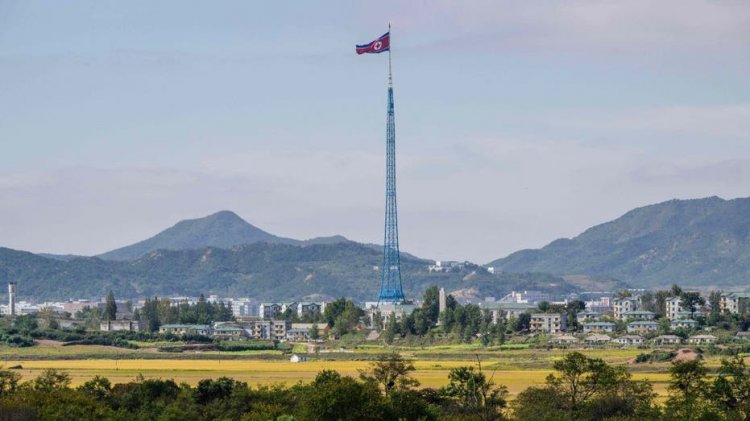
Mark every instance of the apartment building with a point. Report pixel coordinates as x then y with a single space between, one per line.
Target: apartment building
550 323
620 306
673 307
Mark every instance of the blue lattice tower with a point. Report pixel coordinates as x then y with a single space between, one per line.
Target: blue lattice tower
390 284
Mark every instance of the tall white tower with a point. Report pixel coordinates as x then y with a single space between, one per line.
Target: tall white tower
441 302
12 298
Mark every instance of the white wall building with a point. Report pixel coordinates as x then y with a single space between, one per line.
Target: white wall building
673 307
243 307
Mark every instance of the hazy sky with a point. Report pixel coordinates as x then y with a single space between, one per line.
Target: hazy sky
517 122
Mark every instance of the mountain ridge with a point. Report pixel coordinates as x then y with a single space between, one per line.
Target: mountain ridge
692 242
222 229
261 270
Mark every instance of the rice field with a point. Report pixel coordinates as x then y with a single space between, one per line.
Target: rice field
516 369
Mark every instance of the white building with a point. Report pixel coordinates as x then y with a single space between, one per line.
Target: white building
683 324
640 326
602 305
673 307
597 339
638 315
548 323
734 302
624 305
526 297
186 329
598 327
269 310
564 339
629 340
243 307
588 316
667 340
267 329
122 325
305 308
504 311
702 339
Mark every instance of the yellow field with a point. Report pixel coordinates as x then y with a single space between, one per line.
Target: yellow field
517 368
260 372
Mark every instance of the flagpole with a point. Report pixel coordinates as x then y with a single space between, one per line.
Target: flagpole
390 75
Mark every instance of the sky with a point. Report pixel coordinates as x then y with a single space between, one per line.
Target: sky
516 122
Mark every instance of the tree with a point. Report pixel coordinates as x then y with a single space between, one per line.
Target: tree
378 321
391 329
522 323
665 326
447 318
150 314
625 293
730 391
99 387
543 306
686 389
223 313
571 311
648 302
25 323
691 300
343 316
202 310
8 382
485 338
714 301
538 404
587 389
498 332
676 290
431 305
411 405
391 372
209 390
91 316
333 310
290 314
50 380
580 377
313 333
474 394
333 397
660 302
47 316
110 309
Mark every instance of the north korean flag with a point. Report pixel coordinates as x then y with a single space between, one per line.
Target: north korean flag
378 46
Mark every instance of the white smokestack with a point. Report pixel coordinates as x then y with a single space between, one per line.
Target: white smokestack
12 298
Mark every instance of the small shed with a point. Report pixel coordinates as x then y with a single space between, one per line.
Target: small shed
297 358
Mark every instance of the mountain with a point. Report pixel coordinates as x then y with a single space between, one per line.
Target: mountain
63 257
223 229
699 242
261 270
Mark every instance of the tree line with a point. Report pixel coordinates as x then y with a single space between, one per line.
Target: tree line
156 312
461 322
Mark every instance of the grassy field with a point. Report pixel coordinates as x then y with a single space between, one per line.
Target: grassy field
516 368
259 372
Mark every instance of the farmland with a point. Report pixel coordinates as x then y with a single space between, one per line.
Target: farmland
513 367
